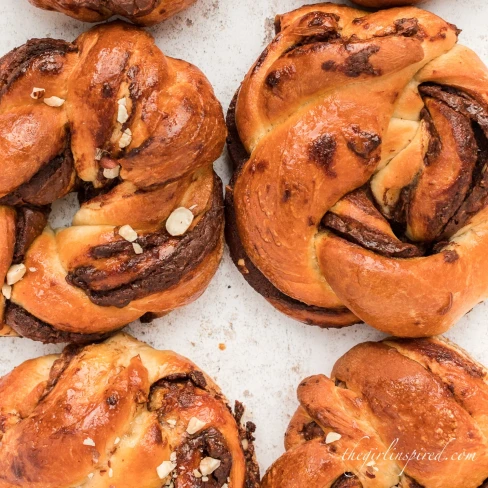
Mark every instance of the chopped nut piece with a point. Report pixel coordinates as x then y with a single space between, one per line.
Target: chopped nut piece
165 468
241 262
197 473
90 475
110 473
32 270
15 273
89 442
332 437
122 101
122 114
195 425
137 248
116 441
204 479
208 465
126 139
7 291
54 101
128 233
179 221
38 93
225 485
171 422
98 154
172 457
245 444
111 173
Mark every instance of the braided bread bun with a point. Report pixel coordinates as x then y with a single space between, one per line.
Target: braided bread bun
142 12
120 414
360 146
385 402
136 136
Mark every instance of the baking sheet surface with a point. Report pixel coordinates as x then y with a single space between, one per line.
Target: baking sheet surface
255 353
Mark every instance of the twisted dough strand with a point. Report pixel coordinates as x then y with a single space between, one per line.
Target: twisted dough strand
387 401
111 414
90 278
359 191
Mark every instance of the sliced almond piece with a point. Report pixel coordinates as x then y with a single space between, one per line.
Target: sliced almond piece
98 154
89 442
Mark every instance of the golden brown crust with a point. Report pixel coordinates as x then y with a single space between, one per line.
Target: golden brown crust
142 12
87 279
364 145
109 415
388 401
385 3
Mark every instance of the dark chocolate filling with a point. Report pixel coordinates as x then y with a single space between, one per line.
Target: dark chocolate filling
470 197
50 183
30 224
347 480
312 430
160 274
178 391
26 325
14 64
239 156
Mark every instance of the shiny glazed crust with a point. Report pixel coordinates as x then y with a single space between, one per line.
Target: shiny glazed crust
110 414
86 280
360 143
385 3
389 400
142 12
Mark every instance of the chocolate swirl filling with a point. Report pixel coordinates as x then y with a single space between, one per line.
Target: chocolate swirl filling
467 119
183 391
158 273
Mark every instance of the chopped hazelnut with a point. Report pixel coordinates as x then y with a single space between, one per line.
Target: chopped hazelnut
195 425
179 221
137 248
7 291
15 273
54 101
208 465
111 173
332 437
122 114
126 138
165 468
38 93
128 233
